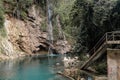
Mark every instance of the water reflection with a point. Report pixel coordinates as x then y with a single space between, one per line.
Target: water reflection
31 68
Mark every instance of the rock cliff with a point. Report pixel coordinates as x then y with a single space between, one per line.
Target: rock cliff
26 36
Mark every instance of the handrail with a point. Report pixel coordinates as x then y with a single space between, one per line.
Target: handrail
98 43
109 36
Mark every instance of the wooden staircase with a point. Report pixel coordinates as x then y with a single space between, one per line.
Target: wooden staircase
110 38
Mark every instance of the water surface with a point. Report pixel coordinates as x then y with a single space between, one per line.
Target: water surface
31 68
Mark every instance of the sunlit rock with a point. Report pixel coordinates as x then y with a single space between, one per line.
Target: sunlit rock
62 46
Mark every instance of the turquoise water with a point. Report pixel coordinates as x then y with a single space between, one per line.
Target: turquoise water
31 68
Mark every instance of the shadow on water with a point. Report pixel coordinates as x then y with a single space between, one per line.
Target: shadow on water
31 68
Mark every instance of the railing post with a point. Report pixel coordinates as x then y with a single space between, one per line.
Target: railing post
113 36
106 37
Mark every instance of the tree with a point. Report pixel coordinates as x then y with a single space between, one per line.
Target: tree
93 18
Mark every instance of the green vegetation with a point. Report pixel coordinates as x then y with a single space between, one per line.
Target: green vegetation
93 18
101 68
2 30
87 21
17 8
100 65
1 14
63 9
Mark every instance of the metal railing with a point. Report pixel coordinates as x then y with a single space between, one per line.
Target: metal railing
109 36
113 36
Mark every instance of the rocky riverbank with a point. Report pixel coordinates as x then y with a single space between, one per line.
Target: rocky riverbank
73 72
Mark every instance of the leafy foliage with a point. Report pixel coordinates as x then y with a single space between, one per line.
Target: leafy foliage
63 9
92 18
17 8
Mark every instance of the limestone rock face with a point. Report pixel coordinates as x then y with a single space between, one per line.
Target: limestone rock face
62 46
26 35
